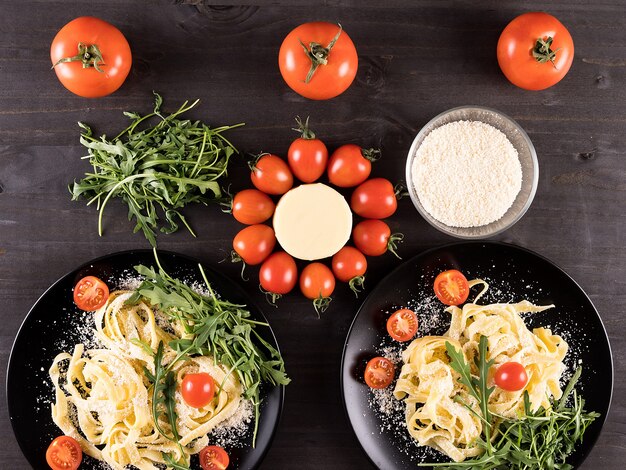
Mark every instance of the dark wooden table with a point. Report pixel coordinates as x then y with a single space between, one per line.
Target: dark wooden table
416 60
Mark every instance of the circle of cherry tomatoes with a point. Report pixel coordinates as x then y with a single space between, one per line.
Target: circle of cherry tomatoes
349 166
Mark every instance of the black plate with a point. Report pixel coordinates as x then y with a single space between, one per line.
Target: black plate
44 333
514 274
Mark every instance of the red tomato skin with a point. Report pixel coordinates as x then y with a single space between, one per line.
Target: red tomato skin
214 458
371 237
317 281
198 389
379 363
514 51
374 199
84 291
406 315
307 159
349 263
457 280
64 453
329 80
278 273
511 376
252 206
348 167
254 243
271 175
116 54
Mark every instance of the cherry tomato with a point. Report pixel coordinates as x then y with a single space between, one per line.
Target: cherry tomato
349 265
198 390
251 206
327 67
214 458
64 453
350 165
402 325
278 274
511 376
90 57
379 372
374 199
535 51
90 293
254 243
317 283
451 287
373 237
307 155
271 174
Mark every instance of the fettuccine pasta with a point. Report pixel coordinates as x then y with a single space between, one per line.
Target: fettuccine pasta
103 399
431 390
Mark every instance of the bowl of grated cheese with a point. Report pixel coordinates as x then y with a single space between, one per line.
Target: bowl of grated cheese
472 172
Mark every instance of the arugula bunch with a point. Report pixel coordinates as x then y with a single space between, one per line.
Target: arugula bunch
216 328
155 170
537 440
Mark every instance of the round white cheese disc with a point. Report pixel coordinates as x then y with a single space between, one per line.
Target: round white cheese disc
312 221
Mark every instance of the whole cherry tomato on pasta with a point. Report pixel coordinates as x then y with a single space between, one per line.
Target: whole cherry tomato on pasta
511 376
91 57
318 60
198 389
535 51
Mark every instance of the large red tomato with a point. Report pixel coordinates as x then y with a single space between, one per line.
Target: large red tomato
535 51
318 60
90 57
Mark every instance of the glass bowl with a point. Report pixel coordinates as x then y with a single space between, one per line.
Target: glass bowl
526 154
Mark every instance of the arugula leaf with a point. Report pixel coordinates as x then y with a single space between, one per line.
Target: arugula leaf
155 170
538 440
218 328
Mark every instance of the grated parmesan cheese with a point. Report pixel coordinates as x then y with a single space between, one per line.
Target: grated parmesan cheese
466 174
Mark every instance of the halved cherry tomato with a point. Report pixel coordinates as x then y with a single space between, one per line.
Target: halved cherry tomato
374 199
271 174
254 243
328 65
198 389
402 325
90 57
535 51
511 376
64 453
278 274
307 155
214 458
349 265
350 165
373 238
251 206
90 293
451 287
317 283
379 372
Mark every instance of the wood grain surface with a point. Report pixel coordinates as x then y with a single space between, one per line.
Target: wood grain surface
416 60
